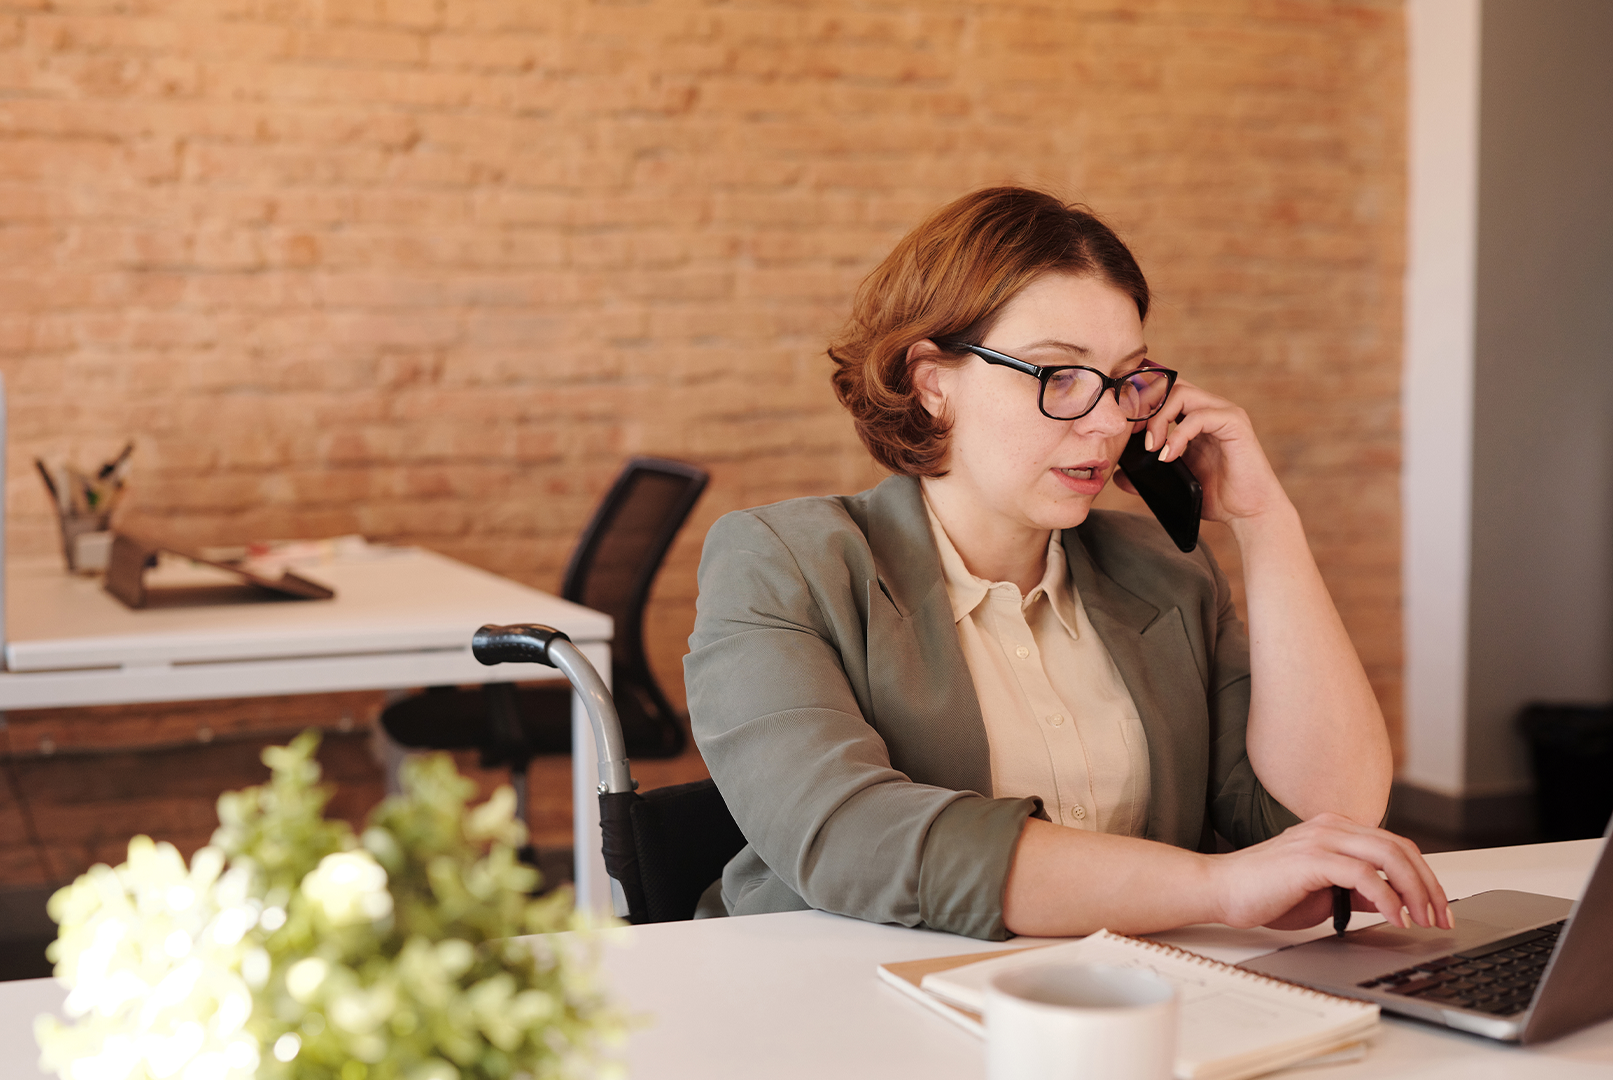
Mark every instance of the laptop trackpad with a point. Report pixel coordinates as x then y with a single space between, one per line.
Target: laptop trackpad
1340 962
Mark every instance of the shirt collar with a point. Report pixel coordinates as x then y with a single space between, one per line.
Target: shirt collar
1057 586
967 591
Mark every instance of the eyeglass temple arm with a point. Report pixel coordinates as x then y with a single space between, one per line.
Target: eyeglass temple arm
992 356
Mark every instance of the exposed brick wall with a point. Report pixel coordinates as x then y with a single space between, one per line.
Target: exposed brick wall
428 269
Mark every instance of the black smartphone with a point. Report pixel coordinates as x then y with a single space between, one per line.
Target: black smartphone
1170 489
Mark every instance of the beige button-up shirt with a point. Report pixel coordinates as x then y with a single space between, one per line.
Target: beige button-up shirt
1059 720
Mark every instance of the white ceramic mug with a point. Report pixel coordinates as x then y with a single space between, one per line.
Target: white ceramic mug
1080 1022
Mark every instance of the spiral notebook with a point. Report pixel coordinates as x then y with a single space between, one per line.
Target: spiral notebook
1233 1023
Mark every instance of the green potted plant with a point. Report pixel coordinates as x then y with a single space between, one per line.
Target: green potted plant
292 949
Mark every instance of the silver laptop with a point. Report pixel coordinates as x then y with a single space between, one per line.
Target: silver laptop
1519 966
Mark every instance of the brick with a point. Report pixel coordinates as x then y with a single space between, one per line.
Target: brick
516 16
485 52
22 865
368 46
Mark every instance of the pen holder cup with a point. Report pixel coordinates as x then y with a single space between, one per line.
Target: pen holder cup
87 542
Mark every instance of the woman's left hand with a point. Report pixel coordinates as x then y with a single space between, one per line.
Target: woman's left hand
1217 440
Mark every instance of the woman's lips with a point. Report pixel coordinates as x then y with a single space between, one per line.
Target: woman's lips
1087 478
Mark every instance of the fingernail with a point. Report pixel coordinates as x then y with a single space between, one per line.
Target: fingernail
1450 920
1164 451
1430 923
1148 440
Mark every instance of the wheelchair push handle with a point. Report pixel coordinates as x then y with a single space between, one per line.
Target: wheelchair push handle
534 643
524 643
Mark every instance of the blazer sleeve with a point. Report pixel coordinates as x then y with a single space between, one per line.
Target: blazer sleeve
806 776
1241 809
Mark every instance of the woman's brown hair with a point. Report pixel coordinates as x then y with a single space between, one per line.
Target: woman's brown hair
948 279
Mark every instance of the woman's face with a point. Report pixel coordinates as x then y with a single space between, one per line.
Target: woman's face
1013 466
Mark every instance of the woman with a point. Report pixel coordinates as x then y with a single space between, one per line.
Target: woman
965 700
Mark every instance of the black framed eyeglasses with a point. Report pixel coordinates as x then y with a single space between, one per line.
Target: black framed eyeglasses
1071 391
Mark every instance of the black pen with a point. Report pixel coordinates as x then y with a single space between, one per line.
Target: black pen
49 482
116 464
1341 909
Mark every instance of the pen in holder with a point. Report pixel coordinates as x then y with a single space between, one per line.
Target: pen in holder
84 506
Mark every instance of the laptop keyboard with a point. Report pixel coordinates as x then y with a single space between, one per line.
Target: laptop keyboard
1498 978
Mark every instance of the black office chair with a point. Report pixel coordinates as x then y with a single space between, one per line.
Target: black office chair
611 570
664 847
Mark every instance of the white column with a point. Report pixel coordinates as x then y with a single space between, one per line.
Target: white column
1437 391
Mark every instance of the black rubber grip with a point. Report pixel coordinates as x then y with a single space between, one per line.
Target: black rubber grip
524 643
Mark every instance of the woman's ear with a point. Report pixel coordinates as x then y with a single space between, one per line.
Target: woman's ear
924 368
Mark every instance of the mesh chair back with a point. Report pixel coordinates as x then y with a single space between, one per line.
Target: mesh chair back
617 557
612 570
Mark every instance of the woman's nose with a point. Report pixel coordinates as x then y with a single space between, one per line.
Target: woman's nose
1107 416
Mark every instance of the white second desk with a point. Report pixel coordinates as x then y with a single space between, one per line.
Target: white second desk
401 618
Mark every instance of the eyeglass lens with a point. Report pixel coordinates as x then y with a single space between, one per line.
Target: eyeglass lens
1073 392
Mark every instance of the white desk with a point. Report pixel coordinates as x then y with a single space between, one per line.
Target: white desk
402 617
795 996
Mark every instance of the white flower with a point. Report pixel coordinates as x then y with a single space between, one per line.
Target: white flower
304 978
151 959
233 965
495 819
349 887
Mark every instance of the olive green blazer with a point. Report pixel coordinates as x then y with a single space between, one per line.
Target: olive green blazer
831 701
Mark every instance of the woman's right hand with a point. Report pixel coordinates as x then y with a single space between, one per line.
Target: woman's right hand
1286 882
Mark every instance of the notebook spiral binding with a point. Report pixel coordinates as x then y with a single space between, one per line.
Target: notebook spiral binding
1244 973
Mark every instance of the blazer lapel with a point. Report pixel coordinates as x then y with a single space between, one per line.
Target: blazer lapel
1151 649
924 702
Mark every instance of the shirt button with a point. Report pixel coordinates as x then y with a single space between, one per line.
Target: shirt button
1079 813
1022 652
1056 719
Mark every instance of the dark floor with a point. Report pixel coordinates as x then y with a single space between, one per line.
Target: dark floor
25 930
